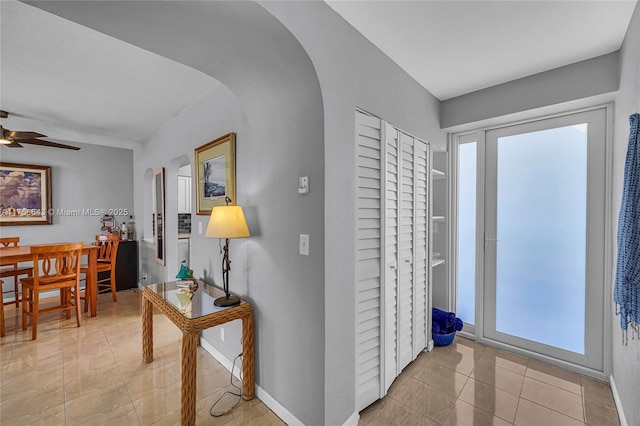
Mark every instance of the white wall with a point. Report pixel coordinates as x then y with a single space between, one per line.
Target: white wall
626 359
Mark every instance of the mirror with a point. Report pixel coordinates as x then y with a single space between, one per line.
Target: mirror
158 213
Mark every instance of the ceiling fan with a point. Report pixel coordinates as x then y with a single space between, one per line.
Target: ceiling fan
13 139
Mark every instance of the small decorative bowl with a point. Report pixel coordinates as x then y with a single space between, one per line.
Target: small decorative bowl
443 339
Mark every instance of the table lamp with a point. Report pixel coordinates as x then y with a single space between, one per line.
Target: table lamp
227 222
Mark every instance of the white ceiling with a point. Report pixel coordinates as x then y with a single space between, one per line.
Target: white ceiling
456 47
75 84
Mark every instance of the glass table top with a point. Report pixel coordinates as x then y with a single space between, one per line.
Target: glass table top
192 301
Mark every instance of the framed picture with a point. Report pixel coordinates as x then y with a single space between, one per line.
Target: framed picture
215 173
25 194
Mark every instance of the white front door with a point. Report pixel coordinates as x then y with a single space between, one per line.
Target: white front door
544 234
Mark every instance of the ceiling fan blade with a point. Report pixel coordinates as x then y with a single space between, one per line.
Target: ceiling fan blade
47 143
4 114
13 144
24 135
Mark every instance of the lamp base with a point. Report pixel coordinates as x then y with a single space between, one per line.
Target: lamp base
227 301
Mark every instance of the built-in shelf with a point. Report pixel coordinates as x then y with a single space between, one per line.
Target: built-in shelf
437 174
436 262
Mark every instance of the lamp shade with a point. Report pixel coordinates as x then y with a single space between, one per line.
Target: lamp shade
227 222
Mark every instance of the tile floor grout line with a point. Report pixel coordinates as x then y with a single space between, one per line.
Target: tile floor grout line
552 385
559 412
122 377
64 385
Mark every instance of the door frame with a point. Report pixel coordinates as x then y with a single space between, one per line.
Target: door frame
477 330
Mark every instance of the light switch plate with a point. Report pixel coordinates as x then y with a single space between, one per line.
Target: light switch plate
304 244
303 187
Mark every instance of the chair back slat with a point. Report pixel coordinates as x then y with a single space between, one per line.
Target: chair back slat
55 266
57 262
108 247
13 269
9 242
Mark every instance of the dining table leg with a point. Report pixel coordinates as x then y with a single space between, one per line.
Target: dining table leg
92 281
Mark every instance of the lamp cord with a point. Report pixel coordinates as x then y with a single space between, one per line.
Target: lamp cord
238 394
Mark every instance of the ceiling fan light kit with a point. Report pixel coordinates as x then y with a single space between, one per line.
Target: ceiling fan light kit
13 139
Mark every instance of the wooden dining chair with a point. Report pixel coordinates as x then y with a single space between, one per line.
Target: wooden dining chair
13 270
106 265
56 267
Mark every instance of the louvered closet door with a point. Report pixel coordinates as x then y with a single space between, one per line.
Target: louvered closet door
406 261
413 269
391 245
421 245
392 266
369 260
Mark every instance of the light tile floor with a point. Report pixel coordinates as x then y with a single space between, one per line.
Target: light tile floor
467 383
94 375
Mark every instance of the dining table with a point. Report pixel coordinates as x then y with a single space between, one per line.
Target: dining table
20 254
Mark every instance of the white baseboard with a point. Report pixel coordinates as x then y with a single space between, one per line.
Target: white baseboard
352 420
262 395
616 398
41 296
277 408
226 363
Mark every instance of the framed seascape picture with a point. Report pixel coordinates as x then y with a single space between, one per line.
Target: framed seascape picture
25 194
215 173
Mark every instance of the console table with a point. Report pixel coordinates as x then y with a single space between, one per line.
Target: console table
192 310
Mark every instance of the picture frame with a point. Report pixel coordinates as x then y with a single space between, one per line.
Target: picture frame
215 173
25 194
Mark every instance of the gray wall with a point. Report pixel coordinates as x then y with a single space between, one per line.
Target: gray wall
626 359
352 73
79 181
562 89
273 102
285 129
292 106
576 81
